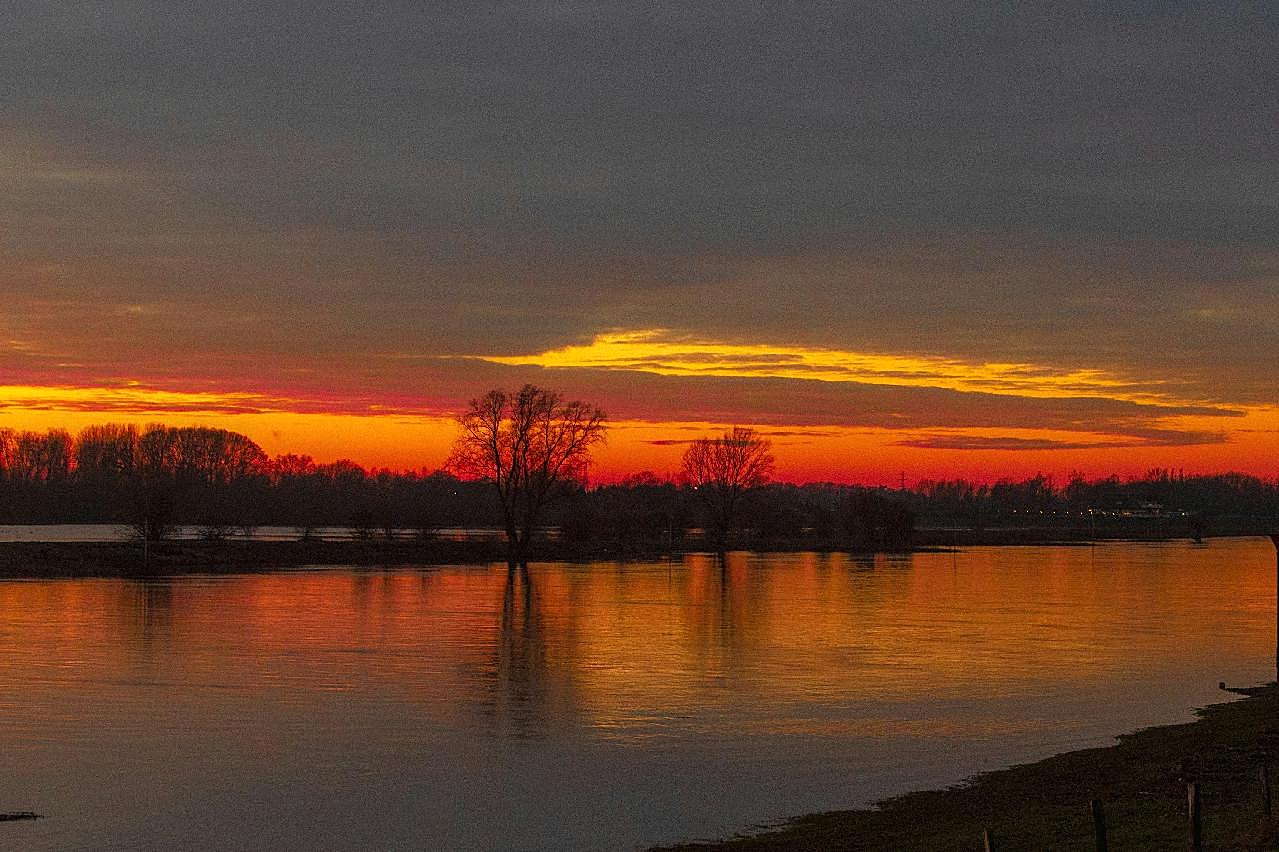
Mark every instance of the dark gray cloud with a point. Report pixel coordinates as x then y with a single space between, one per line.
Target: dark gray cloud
1080 183
1003 443
653 123
719 122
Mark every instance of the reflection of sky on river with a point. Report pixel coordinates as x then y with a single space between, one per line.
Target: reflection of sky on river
599 706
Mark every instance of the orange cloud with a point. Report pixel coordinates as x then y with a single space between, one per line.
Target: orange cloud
869 454
834 414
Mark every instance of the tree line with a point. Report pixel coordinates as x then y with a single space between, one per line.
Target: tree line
1159 492
520 465
523 451
158 477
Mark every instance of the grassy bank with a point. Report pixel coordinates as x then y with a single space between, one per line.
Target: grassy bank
126 558
1141 782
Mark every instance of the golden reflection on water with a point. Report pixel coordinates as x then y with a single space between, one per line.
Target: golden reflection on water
750 661
611 642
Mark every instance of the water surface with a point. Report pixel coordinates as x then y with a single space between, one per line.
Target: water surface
595 706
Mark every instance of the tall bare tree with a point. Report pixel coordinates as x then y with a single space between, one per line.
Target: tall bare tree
532 445
723 470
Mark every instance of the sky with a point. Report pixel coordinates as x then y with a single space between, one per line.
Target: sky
921 239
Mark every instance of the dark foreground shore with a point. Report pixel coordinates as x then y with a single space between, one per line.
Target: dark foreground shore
1141 783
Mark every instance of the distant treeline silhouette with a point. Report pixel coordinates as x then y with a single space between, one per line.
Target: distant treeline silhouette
157 477
1159 494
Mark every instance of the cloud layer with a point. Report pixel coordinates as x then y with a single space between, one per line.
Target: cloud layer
340 208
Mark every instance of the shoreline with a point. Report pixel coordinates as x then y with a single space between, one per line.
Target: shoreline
125 559
1141 781
39 560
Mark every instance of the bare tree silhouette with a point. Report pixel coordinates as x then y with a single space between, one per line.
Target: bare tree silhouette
723 470
533 446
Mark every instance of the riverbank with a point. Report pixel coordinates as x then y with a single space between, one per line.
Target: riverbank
36 560
33 559
127 558
1141 782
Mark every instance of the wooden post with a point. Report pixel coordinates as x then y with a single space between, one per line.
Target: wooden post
987 843
1264 775
1192 812
1099 824
1274 539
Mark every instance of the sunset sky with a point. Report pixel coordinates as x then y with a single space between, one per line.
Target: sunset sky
933 238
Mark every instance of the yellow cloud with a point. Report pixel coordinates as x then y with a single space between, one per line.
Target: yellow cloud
658 351
131 397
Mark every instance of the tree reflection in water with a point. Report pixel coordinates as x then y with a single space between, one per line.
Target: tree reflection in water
520 674
150 607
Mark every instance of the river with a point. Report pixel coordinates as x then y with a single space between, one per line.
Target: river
595 706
